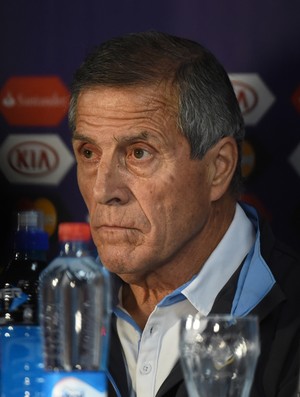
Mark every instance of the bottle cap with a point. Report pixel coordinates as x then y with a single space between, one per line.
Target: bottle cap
74 231
30 234
28 219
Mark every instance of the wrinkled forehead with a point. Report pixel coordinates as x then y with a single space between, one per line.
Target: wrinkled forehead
127 114
160 97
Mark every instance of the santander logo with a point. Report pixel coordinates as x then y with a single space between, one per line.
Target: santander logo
9 101
34 100
33 158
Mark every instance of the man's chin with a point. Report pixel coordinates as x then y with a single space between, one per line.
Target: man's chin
118 264
123 266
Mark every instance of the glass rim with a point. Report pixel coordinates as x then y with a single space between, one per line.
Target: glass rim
223 316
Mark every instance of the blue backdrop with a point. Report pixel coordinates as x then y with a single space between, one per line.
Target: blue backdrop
43 42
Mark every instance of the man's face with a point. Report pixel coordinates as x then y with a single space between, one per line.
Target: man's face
148 201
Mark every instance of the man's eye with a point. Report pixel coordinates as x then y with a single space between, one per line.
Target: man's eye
87 153
139 153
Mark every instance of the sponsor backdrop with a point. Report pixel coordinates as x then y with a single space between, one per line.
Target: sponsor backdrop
43 42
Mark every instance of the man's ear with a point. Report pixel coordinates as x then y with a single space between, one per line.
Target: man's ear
223 164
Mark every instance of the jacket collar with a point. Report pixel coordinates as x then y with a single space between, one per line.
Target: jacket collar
116 365
254 281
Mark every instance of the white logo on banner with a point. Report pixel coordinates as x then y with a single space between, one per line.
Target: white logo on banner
253 95
33 159
294 159
9 101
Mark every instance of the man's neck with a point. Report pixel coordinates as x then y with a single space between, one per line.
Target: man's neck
141 295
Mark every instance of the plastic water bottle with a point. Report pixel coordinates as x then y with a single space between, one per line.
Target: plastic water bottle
21 358
75 312
19 280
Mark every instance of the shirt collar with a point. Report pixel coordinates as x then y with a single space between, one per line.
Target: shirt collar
202 289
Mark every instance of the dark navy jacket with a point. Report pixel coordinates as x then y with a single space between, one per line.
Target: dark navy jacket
279 320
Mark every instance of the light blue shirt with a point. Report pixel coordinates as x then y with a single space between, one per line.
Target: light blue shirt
152 353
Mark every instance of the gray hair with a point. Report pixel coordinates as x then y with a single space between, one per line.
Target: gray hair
207 106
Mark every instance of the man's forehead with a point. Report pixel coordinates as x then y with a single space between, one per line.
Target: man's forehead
157 96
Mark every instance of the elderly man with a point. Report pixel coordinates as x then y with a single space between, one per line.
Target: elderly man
157 134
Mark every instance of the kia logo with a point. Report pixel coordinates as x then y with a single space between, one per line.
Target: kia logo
246 96
33 158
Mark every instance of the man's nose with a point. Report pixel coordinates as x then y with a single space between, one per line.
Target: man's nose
110 186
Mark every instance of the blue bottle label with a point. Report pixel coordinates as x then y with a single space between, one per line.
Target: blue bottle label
75 384
14 295
21 361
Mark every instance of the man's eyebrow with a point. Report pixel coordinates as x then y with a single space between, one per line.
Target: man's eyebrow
81 137
141 136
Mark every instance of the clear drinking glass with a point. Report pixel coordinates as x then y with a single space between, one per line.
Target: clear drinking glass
218 354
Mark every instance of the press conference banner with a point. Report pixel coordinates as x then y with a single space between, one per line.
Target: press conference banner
43 42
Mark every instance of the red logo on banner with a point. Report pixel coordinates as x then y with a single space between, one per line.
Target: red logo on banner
246 96
33 158
296 99
34 101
